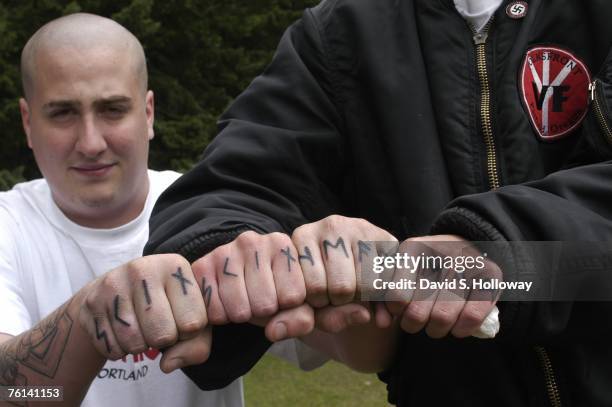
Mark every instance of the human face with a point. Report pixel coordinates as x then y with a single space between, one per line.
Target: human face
88 122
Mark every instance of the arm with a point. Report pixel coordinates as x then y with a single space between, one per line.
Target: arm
268 170
364 347
570 206
149 302
56 351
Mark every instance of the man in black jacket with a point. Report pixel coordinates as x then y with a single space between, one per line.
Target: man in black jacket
400 113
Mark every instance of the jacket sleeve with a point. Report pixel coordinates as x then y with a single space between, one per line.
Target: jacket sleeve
281 134
571 206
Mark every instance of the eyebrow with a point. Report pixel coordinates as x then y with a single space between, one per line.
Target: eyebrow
55 104
112 100
59 104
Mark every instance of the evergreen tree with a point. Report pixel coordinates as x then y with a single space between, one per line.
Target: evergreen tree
201 54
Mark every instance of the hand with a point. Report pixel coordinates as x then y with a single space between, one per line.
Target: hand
152 301
331 252
251 279
459 311
257 276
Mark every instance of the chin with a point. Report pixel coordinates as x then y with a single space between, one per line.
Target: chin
97 200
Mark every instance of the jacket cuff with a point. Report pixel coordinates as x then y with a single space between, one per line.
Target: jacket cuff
205 243
470 226
467 224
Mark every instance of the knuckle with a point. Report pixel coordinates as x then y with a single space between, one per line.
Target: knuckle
472 316
280 239
248 240
221 253
264 309
163 340
135 268
318 288
192 326
217 318
300 232
334 222
362 223
176 260
115 355
344 289
240 315
416 313
292 299
91 301
135 345
443 316
110 283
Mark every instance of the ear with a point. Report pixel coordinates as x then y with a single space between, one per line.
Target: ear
24 108
150 112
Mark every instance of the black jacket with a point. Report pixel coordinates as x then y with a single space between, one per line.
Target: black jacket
377 109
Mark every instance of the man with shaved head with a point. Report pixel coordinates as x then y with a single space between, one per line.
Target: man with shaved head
66 319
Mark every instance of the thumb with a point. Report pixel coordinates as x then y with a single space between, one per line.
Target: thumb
290 323
192 351
334 319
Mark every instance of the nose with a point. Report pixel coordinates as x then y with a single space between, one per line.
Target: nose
91 141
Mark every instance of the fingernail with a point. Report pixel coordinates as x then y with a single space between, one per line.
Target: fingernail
280 331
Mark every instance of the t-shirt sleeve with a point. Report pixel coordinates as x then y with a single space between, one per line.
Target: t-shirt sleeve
14 315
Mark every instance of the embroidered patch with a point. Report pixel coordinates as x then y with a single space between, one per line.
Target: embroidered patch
554 85
517 9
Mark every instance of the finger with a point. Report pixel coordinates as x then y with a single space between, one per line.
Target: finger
192 351
287 273
313 268
205 274
364 254
259 280
444 315
94 316
125 325
290 323
448 305
229 268
185 300
334 319
472 316
104 340
416 315
154 312
480 302
383 317
339 267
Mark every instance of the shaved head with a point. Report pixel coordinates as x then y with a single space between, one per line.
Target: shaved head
84 33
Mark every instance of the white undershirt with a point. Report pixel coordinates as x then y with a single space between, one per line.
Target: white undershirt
477 12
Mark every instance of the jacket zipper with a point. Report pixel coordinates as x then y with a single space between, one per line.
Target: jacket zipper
480 39
549 375
599 111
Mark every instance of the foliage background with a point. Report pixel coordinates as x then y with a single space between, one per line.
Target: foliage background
200 55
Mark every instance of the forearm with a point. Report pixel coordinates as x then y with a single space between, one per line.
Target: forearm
55 352
365 348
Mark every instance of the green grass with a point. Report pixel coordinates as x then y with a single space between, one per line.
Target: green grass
274 382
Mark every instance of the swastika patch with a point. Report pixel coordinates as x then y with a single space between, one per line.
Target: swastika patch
554 86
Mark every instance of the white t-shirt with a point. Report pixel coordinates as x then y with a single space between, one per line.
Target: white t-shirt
477 12
45 258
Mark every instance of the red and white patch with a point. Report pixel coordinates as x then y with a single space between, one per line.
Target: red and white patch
554 84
